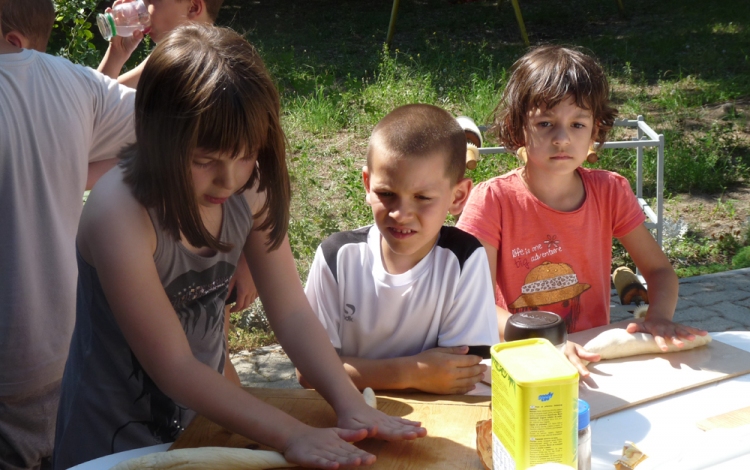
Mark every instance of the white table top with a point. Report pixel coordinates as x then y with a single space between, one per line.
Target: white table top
665 428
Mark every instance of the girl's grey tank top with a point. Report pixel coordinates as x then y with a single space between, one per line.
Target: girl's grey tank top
108 403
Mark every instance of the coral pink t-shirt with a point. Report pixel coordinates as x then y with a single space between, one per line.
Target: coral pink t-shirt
551 260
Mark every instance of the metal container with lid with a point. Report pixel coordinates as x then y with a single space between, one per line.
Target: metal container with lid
537 324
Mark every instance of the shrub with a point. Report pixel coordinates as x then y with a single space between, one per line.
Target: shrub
742 258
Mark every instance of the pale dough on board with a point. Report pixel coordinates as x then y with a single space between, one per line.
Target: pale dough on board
216 458
617 342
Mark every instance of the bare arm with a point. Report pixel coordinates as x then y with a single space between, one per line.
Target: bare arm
437 370
663 288
305 341
229 371
132 77
118 52
97 169
502 314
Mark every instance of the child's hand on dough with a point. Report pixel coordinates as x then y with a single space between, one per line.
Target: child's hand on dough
664 330
579 357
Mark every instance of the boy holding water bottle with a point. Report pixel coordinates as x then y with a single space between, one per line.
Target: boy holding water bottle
165 15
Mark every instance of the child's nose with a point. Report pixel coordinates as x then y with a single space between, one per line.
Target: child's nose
225 177
401 211
561 135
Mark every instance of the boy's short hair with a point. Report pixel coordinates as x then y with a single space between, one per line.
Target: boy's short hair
420 130
32 18
212 8
205 87
546 75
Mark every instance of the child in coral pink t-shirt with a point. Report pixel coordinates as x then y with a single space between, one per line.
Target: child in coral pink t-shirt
548 226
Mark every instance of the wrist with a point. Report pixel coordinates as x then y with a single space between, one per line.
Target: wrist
288 435
654 313
406 372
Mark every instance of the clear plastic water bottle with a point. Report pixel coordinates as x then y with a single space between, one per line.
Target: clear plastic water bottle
124 20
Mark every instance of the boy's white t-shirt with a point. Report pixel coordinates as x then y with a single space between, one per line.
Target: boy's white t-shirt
55 118
445 300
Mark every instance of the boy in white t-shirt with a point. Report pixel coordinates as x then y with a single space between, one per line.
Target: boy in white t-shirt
403 299
61 127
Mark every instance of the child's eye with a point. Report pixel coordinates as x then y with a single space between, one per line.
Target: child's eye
205 164
424 198
578 125
544 124
384 194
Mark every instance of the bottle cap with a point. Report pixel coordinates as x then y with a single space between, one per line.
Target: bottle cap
107 26
583 414
536 324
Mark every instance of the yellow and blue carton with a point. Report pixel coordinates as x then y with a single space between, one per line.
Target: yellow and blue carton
534 406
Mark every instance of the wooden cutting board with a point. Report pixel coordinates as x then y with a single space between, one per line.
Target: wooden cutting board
450 422
728 420
618 384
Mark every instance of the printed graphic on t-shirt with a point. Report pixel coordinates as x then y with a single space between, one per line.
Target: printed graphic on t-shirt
552 286
349 311
198 301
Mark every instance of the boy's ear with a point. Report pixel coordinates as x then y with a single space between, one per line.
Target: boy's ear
460 195
197 10
18 40
366 183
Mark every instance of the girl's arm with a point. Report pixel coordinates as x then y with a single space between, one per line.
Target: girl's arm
662 290
116 236
502 314
305 341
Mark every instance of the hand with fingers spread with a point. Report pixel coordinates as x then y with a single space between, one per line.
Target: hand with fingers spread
664 331
379 425
326 448
447 370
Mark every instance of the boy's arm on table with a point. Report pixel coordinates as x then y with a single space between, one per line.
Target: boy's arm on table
117 237
305 341
663 288
446 371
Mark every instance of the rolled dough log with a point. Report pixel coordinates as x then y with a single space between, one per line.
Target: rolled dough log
216 458
617 342
370 398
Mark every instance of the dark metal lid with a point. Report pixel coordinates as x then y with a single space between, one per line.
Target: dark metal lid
536 324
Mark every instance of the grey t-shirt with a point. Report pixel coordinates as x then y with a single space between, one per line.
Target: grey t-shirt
109 404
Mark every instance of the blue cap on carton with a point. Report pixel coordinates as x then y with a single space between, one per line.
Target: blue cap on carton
583 414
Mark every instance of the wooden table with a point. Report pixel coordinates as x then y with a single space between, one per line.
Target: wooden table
450 422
